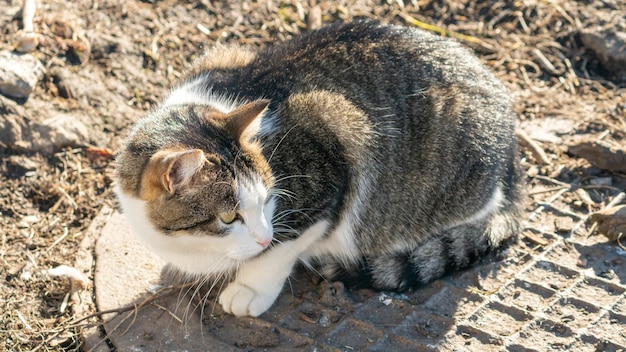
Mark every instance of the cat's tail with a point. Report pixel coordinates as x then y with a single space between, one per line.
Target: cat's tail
443 252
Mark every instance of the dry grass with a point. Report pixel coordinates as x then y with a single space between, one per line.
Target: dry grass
532 45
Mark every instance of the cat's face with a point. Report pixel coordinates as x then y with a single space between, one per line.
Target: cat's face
203 211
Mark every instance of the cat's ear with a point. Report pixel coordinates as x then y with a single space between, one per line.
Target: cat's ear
245 121
169 170
181 168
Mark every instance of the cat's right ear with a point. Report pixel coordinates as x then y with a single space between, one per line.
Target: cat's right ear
170 170
245 121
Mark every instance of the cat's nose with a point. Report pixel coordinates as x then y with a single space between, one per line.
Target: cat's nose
264 242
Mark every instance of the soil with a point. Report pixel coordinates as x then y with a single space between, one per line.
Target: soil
108 62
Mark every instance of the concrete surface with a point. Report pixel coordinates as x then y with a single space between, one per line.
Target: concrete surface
551 292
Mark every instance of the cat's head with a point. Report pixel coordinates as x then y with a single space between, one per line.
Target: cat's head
195 187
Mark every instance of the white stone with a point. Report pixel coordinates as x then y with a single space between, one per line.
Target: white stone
57 132
547 129
19 74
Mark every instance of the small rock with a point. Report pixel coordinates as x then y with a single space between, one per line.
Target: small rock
22 164
602 154
609 45
26 42
583 195
611 222
57 132
10 128
608 274
601 181
547 130
26 221
78 51
19 73
384 299
563 224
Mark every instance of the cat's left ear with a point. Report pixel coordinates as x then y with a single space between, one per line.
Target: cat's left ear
170 170
245 121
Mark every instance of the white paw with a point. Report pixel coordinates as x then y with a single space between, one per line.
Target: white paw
242 300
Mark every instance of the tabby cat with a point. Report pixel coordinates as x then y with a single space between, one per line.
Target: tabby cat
383 155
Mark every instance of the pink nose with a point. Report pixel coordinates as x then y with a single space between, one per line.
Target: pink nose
264 243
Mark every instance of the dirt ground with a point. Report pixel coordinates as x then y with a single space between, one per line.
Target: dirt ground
109 61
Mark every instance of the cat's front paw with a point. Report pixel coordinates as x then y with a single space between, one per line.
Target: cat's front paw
242 300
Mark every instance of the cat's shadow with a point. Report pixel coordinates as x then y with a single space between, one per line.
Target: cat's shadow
312 313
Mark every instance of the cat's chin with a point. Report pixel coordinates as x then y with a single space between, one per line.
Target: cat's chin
202 255
191 254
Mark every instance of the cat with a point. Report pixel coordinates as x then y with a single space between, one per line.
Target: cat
381 155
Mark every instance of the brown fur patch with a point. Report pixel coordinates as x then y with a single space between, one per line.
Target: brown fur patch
152 180
160 178
222 57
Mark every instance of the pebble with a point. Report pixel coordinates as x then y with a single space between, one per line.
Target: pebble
26 221
608 45
19 74
58 131
601 181
548 130
22 163
563 224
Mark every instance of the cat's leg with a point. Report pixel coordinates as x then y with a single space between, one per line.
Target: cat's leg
260 280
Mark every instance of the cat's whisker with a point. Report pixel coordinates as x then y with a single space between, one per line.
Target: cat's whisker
197 286
288 212
286 193
281 193
222 280
312 268
285 221
223 183
291 176
282 228
183 293
221 273
282 231
219 279
280 142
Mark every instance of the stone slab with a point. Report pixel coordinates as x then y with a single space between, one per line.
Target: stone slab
540 300
19 73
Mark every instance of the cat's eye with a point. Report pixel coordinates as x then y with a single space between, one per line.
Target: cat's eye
229 217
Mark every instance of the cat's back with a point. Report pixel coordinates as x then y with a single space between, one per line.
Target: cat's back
362 59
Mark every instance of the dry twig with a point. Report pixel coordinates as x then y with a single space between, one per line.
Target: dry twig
534 147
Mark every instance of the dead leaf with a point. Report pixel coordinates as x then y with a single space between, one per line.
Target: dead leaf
95 154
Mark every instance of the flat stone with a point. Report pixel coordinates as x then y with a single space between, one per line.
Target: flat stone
125 268
22 163
58 131
325 316
547 130
610 47
127 273
19 74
